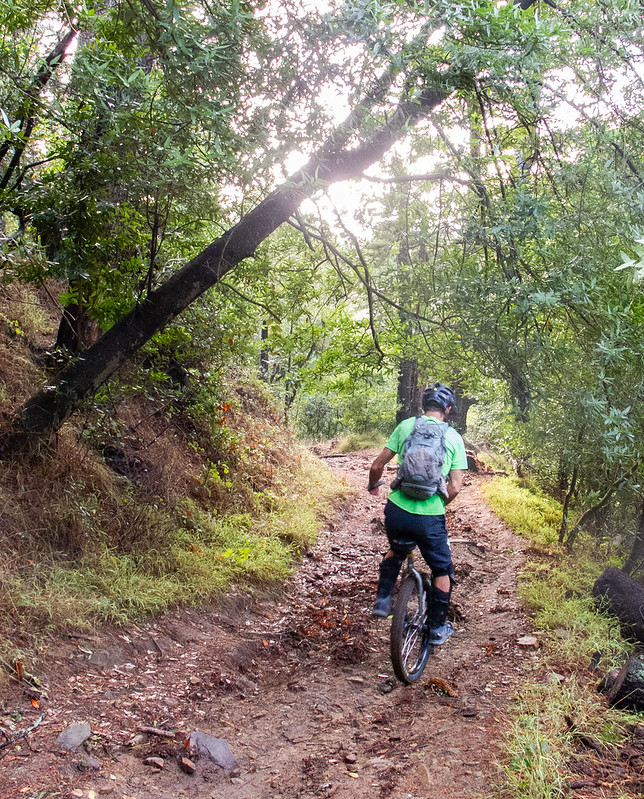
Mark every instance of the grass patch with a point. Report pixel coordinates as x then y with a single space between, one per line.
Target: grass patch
572 630
559 595
542 738
355 442
527 511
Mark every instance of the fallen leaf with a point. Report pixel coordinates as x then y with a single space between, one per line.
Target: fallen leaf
443 686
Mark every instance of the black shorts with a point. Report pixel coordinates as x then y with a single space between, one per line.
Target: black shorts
407 530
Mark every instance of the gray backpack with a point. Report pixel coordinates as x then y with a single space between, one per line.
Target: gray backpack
420 474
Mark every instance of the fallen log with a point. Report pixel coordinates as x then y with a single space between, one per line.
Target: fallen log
624 687
623 597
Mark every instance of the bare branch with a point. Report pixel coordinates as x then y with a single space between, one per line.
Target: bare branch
367 282
249 300
430 177
27 114
339 256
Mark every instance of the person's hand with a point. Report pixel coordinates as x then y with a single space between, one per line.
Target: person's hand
375 490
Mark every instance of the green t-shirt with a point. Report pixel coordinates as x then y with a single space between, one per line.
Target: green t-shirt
455 458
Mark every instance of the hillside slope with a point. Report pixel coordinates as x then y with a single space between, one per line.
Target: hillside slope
161 493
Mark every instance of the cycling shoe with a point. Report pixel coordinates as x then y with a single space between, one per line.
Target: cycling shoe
439 635
382 608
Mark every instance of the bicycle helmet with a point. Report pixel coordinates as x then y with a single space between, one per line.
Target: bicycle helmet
440 395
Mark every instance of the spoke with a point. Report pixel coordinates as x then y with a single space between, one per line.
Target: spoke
412 646
410 642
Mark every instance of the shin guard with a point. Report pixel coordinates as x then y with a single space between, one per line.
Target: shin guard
389 569
438 607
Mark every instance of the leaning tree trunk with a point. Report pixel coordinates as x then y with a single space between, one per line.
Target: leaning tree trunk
45 412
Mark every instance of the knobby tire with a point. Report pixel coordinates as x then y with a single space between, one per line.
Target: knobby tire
409 643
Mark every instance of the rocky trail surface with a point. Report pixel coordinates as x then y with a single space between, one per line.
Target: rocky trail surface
290 695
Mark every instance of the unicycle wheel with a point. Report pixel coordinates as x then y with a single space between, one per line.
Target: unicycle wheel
409 643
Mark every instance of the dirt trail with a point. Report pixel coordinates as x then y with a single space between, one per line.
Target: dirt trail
299 685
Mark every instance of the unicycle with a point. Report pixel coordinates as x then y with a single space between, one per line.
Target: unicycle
409 642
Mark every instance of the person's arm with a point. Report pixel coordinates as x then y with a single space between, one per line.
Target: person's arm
377 468
454 484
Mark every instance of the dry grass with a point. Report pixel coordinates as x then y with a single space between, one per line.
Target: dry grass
24 313
82 544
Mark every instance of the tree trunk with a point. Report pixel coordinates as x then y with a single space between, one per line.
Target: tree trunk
45 412
520 393
563 529
26 115
409 392
623 597
458 415
635 560
77 331
263 355
625 688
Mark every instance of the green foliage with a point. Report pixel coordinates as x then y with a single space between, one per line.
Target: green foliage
317 418
369 414
147 129
371 410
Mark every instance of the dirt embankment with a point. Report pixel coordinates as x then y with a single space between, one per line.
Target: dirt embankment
300 686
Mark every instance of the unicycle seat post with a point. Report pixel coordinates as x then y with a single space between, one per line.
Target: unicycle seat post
410 562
